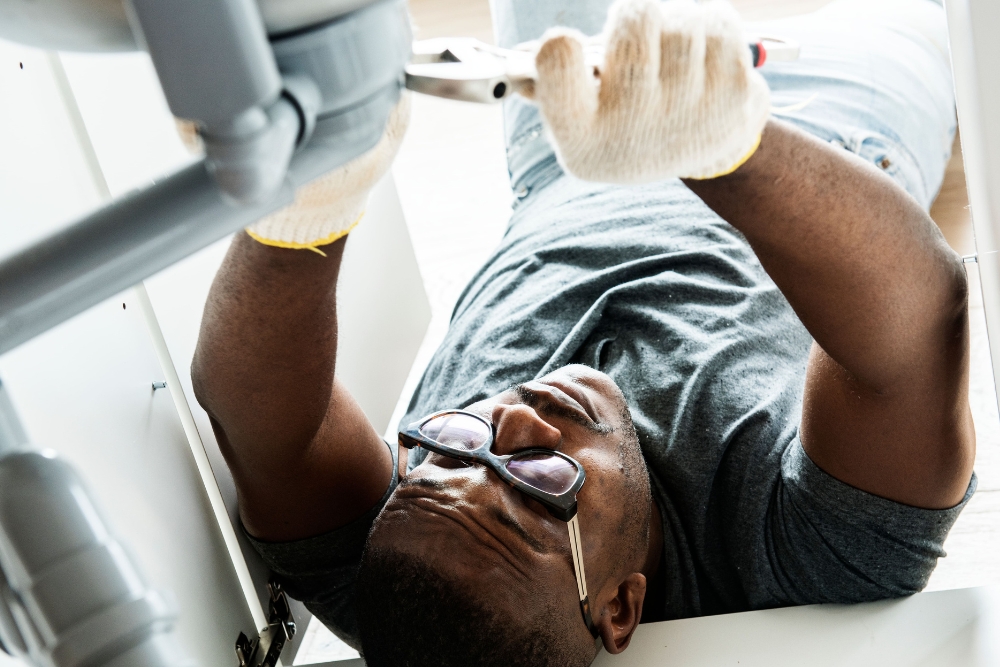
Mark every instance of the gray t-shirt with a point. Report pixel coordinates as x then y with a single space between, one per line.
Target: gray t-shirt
650 286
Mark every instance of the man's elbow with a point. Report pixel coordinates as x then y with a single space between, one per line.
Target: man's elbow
958 449
941 316
952 339
957 296
203 382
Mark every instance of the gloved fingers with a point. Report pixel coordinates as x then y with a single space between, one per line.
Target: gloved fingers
728 59
187 130
399 120
632 55
364 171
330 206
729 76
683 48
565 89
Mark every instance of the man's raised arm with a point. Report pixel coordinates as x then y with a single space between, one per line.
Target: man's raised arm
886 402
304 456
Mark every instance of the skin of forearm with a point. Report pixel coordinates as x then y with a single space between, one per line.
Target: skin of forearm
264 368
861 263
303 455
269 331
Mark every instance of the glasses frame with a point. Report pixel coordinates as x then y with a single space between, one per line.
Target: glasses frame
562 506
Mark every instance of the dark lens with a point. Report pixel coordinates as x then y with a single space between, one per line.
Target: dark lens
457 431
545 472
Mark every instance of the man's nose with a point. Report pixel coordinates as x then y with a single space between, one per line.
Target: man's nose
519 427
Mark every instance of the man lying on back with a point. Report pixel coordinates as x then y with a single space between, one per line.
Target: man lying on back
740 389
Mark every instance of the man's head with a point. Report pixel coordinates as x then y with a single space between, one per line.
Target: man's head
462 569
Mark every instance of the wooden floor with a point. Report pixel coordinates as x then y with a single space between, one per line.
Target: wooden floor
452 179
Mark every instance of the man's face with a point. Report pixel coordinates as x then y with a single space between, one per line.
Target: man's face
465 519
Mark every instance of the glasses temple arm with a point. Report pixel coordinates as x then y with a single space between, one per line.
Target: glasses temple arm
576 546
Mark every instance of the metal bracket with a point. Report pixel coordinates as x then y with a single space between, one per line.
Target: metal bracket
466 69
264 650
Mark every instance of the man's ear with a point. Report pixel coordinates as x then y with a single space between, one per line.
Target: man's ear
619 618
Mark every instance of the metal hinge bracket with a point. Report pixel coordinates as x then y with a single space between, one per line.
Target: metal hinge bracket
264 650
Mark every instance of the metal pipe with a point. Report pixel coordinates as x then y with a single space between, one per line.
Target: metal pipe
12 435
148 230
115 248
71 594
103 25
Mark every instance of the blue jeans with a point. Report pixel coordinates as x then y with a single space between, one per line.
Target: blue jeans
876 72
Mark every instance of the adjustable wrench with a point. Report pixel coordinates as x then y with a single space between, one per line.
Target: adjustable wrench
463 68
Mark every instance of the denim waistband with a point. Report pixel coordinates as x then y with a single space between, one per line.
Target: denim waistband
533 164
875 87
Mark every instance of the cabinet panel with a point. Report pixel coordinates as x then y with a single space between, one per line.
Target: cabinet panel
85 389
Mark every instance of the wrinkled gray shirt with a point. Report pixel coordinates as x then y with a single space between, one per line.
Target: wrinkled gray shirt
650 286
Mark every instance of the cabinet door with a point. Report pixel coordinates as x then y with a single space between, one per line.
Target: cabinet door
101 120
85 388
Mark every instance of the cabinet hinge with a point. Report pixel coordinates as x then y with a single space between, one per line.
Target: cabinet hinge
264 650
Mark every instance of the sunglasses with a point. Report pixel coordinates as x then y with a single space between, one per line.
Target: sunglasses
550 477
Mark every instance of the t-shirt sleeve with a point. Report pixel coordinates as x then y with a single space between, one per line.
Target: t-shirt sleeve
826 541
321 571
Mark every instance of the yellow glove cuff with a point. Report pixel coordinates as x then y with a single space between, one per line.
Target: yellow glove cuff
739 163
329 207
312 245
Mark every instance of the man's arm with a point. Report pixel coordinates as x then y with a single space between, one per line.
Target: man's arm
886 399
304 456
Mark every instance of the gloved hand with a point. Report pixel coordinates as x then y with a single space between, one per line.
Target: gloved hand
332 205
677 95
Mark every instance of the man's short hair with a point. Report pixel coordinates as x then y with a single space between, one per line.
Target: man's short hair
410 615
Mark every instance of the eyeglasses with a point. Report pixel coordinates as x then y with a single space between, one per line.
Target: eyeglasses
548 476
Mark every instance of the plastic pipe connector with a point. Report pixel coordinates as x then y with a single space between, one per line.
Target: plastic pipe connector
72 596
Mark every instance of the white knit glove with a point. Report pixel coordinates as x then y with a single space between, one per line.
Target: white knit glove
331 206
677 95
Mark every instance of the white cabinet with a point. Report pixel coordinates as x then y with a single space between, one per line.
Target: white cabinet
957 628
85 388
